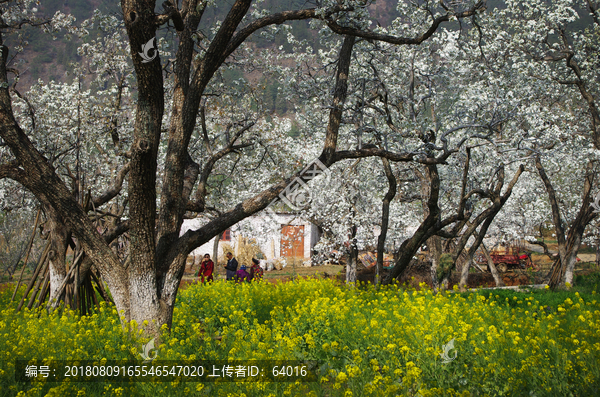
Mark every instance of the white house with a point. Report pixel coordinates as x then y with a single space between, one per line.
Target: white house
278 235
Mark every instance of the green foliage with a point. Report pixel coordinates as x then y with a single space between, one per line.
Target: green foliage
444 267
585 288
587 284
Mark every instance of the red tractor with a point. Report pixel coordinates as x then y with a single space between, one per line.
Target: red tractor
508 260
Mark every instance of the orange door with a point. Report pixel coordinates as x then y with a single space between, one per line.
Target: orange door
292 241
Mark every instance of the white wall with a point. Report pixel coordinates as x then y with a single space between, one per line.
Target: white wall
270 244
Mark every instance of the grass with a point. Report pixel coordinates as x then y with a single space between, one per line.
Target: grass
585 286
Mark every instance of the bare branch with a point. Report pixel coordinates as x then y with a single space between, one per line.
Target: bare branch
114 190
594 12
171 13
378 152
11 170
19 25
205 139
116 231
199 204
480 6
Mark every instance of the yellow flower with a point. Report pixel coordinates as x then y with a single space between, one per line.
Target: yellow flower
342 377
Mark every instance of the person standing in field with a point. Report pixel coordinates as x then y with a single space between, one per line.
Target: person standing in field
207 268
242 275
231 266
256 272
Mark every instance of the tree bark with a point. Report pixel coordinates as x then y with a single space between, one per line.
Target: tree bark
434 243
498 203
497 277
58 238
428 227
464 275
352 257
142 286
568 242
385 217
216 249
435 252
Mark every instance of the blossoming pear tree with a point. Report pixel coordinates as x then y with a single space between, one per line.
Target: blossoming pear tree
555 52
144 286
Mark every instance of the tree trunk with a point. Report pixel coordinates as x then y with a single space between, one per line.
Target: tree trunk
409 247
58 238
464 274
142 287
435 252
385 217
497 277
496 207
432 224
351 270
216 249
352 258
489 215
568 243
574 244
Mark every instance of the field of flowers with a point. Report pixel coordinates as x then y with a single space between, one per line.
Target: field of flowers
366 341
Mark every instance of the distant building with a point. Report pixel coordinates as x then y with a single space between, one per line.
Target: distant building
287 236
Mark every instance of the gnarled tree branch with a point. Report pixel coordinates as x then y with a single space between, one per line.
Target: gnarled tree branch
404 40
113 191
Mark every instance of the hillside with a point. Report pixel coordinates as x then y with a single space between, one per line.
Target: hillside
47 59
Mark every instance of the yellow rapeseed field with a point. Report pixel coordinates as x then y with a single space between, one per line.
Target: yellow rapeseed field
365 341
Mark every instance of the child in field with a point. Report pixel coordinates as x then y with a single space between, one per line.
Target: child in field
242 275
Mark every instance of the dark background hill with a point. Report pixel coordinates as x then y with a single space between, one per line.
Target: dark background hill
48 59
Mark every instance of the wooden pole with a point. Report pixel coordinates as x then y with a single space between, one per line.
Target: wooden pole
45 291
101 288
42 258
68 295
82 301
43 297
89 293
75 303
32 282
92 292
62 288
37 289
37 218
